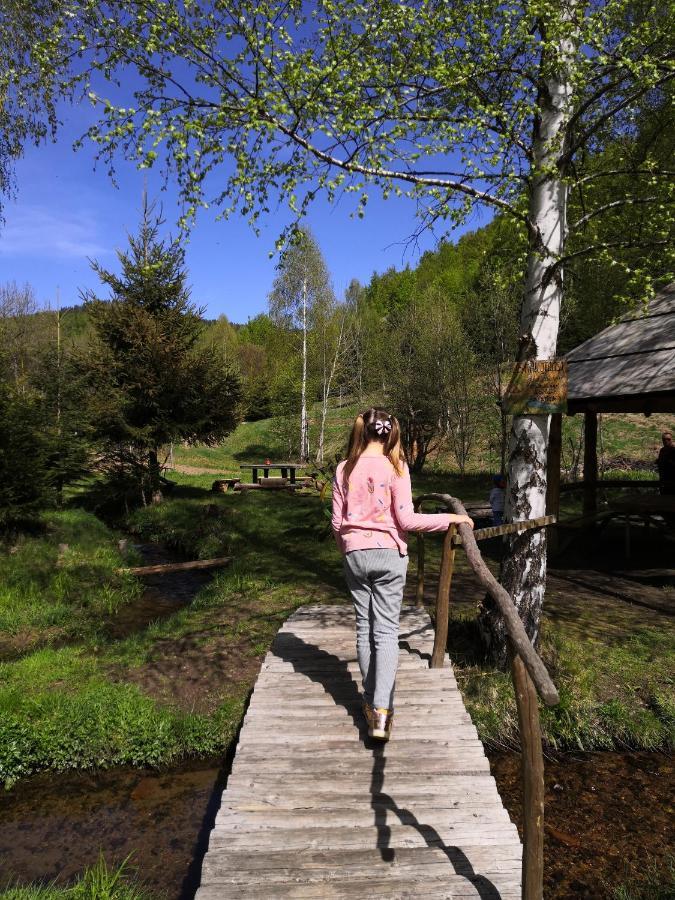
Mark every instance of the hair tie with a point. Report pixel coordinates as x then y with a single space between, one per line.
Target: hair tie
381 427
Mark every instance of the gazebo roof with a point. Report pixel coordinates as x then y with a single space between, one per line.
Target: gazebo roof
630 366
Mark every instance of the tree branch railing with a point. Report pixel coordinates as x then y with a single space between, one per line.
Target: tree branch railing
528 672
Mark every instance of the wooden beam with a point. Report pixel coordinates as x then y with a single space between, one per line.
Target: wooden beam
177 567
590 462
419 592
532 776
658 402
553 465
612 482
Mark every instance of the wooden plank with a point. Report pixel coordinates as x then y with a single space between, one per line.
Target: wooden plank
446 783
435 889
495 859
389 836
166 568
253 799
240 819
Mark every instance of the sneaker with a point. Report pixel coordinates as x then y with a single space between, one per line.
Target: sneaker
381 723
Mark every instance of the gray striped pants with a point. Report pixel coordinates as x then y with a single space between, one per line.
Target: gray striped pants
376 579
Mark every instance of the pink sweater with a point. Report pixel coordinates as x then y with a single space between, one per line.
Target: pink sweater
375 509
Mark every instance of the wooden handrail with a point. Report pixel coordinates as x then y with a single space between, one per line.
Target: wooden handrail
514 625
528 672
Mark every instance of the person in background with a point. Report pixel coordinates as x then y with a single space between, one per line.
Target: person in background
497 498
666 464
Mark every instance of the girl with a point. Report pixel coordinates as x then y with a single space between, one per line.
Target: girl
372 510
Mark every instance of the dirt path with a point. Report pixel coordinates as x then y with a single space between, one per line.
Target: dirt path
196 470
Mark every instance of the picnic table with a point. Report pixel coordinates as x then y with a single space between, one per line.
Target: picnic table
287 468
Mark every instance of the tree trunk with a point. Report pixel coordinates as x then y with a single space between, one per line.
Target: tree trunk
154 472
523 572
328 376
324 413
304 425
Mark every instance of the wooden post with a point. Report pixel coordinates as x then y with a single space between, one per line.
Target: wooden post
532 773
443 599
553 476
553 466
590 463
419 595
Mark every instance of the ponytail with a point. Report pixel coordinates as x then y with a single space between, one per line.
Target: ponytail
375 425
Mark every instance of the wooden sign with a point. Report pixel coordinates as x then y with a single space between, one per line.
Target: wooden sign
536 387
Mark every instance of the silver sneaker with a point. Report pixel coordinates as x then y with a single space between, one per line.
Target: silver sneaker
380 726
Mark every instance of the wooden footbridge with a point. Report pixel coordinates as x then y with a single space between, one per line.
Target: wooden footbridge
313 808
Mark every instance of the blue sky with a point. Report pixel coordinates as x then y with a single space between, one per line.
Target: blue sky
66 211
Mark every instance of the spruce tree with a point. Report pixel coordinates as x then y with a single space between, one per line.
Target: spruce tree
152 381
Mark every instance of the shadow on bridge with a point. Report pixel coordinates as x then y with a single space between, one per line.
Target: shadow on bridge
334 677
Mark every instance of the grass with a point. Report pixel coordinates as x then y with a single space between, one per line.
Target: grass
99 882
656 883
611 697
62 584
88 705
625 442
59 711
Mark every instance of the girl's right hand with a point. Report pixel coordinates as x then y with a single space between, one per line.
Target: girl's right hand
462 520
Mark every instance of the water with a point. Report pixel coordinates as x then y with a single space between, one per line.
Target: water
162 595
52 827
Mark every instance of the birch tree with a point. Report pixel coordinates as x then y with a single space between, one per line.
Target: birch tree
301 293
331 340
458 105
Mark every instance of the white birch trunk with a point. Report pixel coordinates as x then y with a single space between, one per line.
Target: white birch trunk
304 425
524 567
328 376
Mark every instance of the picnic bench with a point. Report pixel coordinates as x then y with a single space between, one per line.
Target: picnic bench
286 468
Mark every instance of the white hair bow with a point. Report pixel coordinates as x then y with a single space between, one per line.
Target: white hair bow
381 427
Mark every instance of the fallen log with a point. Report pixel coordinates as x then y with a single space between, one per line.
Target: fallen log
176 567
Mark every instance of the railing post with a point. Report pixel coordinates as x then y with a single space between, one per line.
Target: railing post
532 775
419 594
443 600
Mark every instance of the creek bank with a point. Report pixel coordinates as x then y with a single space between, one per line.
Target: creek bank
608 815
162 596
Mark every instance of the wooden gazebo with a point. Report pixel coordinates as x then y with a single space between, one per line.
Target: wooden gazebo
627 368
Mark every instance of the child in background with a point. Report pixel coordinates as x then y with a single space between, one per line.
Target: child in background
372 510
497 498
